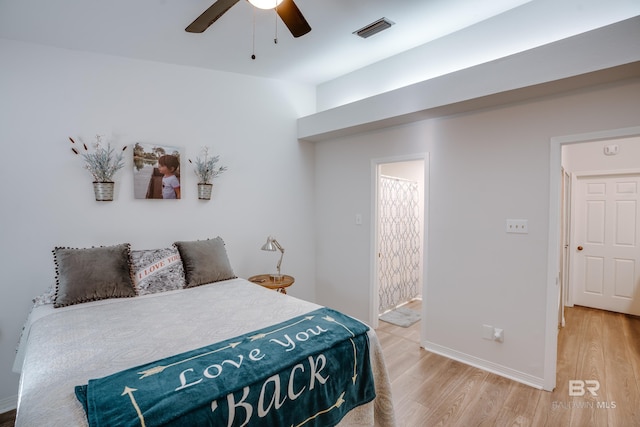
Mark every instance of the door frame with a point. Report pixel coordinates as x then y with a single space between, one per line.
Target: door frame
565 244
554 239
373 256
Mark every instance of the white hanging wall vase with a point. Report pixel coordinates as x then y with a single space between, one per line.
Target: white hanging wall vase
103 191
204 191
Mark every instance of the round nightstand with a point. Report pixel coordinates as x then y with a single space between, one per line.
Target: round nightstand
280 285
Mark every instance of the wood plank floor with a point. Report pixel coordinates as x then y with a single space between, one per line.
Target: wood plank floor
431 390
8 419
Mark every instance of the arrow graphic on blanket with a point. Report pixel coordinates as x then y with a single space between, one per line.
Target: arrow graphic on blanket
129 391
355 362
160 368
355 350
331 319
338 404
264 334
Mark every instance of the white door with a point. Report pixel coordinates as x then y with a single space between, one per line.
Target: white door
607 243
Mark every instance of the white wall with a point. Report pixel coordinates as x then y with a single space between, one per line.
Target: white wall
590 156
50 94
412 170
485 166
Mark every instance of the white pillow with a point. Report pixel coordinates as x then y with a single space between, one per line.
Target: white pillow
157 270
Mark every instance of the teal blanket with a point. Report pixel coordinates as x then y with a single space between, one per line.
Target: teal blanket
308 371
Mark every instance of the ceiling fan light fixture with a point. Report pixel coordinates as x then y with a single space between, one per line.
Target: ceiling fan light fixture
373 28
288 12
265 4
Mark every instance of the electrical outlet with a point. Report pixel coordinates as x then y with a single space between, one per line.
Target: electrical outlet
519 226
498 335
611 150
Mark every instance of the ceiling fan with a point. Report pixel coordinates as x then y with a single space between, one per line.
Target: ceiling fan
286 9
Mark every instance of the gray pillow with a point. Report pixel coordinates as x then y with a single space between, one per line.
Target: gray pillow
92 274
157 270
205 261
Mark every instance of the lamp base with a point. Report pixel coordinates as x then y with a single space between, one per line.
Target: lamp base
276 277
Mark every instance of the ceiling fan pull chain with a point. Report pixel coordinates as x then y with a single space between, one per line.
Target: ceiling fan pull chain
275 9
253 39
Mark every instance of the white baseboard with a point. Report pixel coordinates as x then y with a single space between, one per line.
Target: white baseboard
8 404
485 365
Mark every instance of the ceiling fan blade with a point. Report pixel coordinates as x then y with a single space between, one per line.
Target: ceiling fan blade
292 18
210 16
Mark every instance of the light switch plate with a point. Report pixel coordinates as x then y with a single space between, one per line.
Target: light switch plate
519 226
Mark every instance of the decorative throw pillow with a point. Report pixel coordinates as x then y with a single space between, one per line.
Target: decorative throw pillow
47 297
205 261
92 274
157 270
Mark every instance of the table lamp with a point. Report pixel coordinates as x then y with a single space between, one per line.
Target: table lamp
272 245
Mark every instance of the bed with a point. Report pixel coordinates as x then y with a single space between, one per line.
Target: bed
69 348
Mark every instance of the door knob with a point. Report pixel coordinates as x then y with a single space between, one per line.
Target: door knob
580 248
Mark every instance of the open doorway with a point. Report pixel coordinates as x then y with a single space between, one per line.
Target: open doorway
601 251
561 244
399 230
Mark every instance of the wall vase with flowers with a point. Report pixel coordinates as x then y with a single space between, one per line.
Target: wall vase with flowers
206 169
102 163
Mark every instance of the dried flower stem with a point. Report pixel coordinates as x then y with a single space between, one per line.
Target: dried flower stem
205 167
102 163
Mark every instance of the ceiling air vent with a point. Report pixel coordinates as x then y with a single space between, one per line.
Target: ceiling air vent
374 28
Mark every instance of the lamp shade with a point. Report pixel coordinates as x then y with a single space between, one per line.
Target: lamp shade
269 246
265 4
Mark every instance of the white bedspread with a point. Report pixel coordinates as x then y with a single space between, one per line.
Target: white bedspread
68 346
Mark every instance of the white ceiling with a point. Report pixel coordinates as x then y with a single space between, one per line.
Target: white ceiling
154 30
